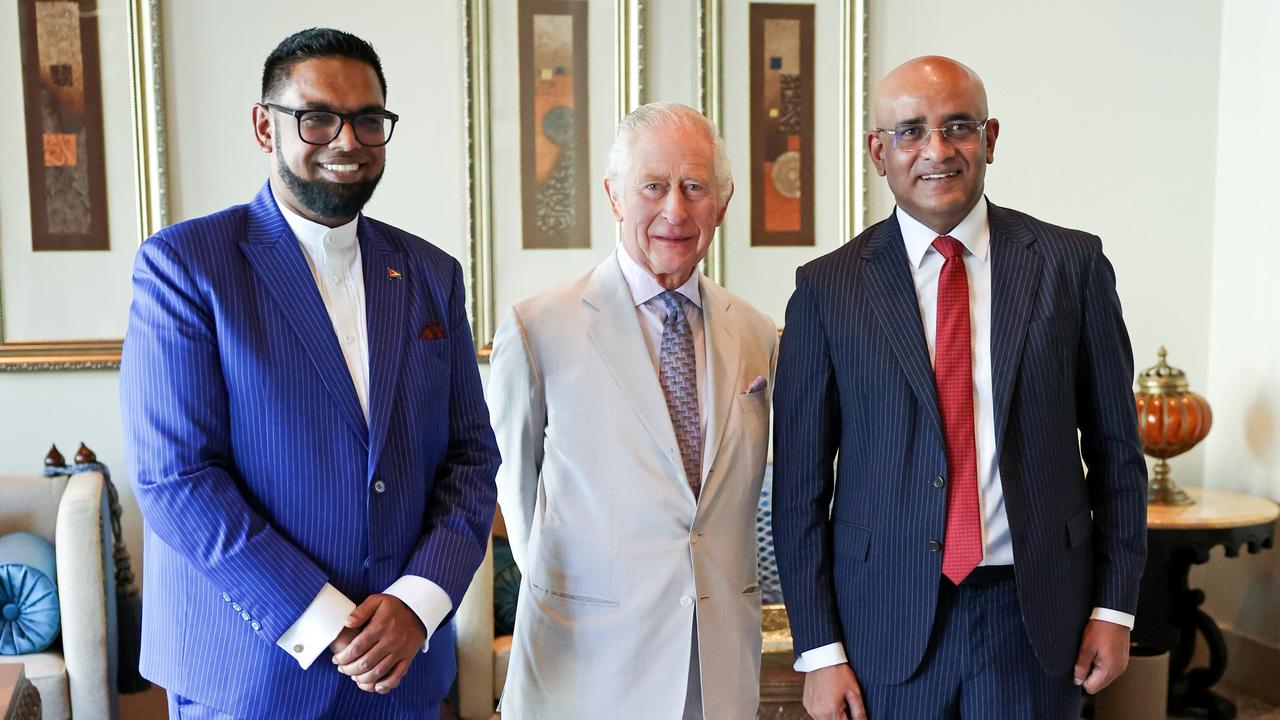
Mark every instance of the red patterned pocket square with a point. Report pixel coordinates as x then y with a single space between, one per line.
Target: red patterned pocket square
431 331
756 385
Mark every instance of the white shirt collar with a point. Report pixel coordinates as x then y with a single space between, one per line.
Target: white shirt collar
644 287
972 232
313 235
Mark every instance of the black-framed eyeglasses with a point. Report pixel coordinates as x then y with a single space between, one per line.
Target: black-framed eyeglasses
321 127
961 134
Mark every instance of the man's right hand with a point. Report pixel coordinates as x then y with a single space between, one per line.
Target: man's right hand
833 693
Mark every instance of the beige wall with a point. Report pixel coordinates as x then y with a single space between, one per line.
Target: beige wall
1107 114
1113 115
1243 385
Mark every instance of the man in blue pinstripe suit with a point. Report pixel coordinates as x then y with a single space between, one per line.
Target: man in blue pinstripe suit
305 425
958 359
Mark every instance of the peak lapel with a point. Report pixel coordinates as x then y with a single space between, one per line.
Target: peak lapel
616 334
282 269
893 296
724 364
385 300
1015 277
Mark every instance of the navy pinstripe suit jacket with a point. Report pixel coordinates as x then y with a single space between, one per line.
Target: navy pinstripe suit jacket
854 381
256 472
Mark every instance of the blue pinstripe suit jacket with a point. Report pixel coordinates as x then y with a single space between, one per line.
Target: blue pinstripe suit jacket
854 381
254 467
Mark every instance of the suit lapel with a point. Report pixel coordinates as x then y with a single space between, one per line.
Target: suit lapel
723 367
892 294
616 334
385 301
1015 277
276 258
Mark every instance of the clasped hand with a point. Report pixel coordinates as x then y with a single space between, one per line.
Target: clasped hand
378 641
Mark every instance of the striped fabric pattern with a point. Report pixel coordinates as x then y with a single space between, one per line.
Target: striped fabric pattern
858 544
256 473
978 665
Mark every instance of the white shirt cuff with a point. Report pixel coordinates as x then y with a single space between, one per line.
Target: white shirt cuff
426 599
318 626
821 657
1112 616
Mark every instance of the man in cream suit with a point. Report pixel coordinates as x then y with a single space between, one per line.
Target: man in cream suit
631 407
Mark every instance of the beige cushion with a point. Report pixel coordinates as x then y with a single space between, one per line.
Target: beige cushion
48 674
501 656
30 504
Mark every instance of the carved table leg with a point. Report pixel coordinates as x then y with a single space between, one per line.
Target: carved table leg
1189 690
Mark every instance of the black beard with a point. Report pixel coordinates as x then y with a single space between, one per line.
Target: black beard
328 200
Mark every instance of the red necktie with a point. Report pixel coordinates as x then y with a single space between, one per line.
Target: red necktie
953 377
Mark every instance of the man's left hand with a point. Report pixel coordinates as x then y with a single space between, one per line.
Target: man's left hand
391 635
1104 654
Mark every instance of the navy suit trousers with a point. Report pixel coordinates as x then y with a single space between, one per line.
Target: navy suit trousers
979 664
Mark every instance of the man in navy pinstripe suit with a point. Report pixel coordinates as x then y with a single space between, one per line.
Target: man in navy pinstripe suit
958 360
305 425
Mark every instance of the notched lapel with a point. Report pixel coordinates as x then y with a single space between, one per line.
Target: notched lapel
1015 278
893 297
615 332
386 288
724 364
276 258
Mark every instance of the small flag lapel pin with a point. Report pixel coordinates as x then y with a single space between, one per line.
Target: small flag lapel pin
394 274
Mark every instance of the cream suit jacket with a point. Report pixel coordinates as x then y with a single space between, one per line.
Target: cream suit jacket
615 552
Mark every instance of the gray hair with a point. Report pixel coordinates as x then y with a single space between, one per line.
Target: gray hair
667 115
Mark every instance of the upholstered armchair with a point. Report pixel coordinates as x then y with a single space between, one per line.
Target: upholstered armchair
480 671
76 677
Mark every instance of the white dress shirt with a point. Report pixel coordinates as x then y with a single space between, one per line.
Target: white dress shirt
974 233
652 314
333 255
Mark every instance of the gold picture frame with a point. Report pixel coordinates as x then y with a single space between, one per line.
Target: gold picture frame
852 115
628 80
149 197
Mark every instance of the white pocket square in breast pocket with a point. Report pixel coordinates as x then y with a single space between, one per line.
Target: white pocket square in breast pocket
760 383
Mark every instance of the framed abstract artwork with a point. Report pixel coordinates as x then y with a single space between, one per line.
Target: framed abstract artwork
62 94
547 81
781 169
793 130
91 142
554 151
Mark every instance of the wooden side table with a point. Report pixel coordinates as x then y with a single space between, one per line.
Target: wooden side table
18 698
1169 615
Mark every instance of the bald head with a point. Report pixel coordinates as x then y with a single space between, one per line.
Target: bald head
928 76
933 139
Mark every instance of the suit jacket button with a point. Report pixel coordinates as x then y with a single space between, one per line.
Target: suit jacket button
939 481
686 601
934 546
379 486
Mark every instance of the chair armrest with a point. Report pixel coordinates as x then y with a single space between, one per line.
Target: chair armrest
474 622
86 593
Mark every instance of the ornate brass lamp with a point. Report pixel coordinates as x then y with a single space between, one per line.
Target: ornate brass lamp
1171 420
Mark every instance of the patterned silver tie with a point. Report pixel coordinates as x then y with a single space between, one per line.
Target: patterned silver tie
678 373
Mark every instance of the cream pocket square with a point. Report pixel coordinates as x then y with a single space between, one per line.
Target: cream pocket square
756 385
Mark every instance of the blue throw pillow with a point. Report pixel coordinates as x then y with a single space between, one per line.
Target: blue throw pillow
29 612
